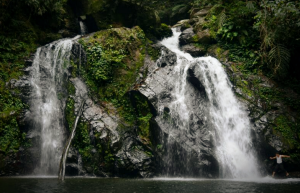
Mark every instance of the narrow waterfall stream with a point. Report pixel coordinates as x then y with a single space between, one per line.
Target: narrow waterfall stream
48 82
229 121
83 28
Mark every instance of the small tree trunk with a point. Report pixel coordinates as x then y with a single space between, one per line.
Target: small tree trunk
62 165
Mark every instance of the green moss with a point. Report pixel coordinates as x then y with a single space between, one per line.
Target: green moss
195 38
201 46
243 85
82 141
123 52
163 31
219 51
289 131
143 115
153 52
10 109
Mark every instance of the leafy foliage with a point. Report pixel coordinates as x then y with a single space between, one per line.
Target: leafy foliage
279 58
101 63
268 28
11 136
290 131
41 7
274 20
117 55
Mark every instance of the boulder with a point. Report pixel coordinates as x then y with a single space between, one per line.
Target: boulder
132 159
204 37
168 58
194 50
186 37
198 23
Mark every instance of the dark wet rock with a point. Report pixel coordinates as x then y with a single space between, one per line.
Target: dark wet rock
202 37
74 163
196 79
28 61
169 58
186 37
194 50
133 160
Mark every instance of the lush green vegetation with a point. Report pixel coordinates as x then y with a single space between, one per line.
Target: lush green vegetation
261 34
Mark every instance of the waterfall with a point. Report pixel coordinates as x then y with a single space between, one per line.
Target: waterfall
229 121
83 28
47 103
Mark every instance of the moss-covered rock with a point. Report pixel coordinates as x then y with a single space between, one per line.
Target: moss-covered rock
122 55
217 52
163 31
204 37
121 52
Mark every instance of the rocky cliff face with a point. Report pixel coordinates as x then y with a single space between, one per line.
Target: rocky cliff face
178 149
107 130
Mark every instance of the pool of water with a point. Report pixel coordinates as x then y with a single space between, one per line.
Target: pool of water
155 185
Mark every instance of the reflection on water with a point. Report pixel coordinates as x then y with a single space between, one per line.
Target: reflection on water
267 179
155 185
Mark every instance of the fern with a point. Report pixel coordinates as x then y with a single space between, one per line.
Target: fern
178 7
250 5
221 19
279 58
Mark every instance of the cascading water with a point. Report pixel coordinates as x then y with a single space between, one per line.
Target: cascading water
83 28
48 81
230 123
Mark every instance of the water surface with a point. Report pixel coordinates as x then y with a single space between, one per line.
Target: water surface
155 185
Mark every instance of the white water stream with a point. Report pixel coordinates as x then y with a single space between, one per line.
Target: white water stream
83 28
47 80
231 124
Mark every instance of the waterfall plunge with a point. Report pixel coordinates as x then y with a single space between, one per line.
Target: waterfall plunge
48 81
231 124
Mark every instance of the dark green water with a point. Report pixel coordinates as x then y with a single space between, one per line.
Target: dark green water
110 185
